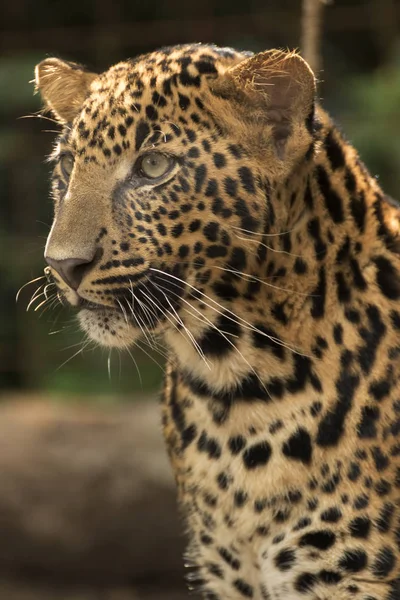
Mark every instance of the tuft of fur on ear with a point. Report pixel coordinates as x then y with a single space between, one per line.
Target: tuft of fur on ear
272 94
63 86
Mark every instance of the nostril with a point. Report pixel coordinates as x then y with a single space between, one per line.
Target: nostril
72 270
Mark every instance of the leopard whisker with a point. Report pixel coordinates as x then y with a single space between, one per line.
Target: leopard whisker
36 294
148 311
28 283
175 315
248 231
122 309
137 343
139 321
109 364
254 278
39 116
203 319
268 247
135 363
85 345
46 288
45 301
235 318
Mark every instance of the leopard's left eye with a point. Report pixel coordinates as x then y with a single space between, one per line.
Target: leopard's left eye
154 165
67 164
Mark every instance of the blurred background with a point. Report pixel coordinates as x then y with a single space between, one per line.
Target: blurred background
360 85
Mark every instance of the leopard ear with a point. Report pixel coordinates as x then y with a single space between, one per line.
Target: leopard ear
63 87
274 88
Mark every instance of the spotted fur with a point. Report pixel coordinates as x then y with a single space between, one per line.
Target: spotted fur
267 258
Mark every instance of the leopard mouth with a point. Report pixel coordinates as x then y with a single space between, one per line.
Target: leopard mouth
143 308
127 312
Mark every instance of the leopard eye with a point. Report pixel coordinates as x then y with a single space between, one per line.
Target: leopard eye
154 165
67 164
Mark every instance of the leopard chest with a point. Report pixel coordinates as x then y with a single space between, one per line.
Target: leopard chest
248 473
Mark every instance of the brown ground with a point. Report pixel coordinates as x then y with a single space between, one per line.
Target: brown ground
87 504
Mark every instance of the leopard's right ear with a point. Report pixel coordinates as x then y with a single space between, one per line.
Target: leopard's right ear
63 86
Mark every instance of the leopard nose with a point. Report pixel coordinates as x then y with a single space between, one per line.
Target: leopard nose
71 270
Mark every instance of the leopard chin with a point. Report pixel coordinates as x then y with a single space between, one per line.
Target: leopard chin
108 328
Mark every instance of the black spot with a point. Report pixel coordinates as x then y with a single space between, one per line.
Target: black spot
358 208
193 152
211 231
267 339
142 131
331 426
331 515
329 577
372 337
245 589
285 559
220 339
361 502
314 230
216 251
358 278
367 426
236 444
333 201
384 562
212 190
387 278
122 130
246 179
177 230
225 291
188 435
380 389
219 160
257 455
305 582
238 259
184 101
194 225
353 560
230 560
384 521
230 186
354 471
322 539
380 459
199 177
300 267
206 66
343 290
209 445
240 498
298 446
334 151
360 527
222 481
187 80
383 487
183 251
394 591
318 296
235 151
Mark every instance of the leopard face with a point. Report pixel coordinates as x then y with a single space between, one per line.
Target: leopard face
162 173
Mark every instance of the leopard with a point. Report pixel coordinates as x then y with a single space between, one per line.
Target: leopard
205 199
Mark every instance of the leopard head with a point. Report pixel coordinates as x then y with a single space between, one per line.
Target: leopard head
162 171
